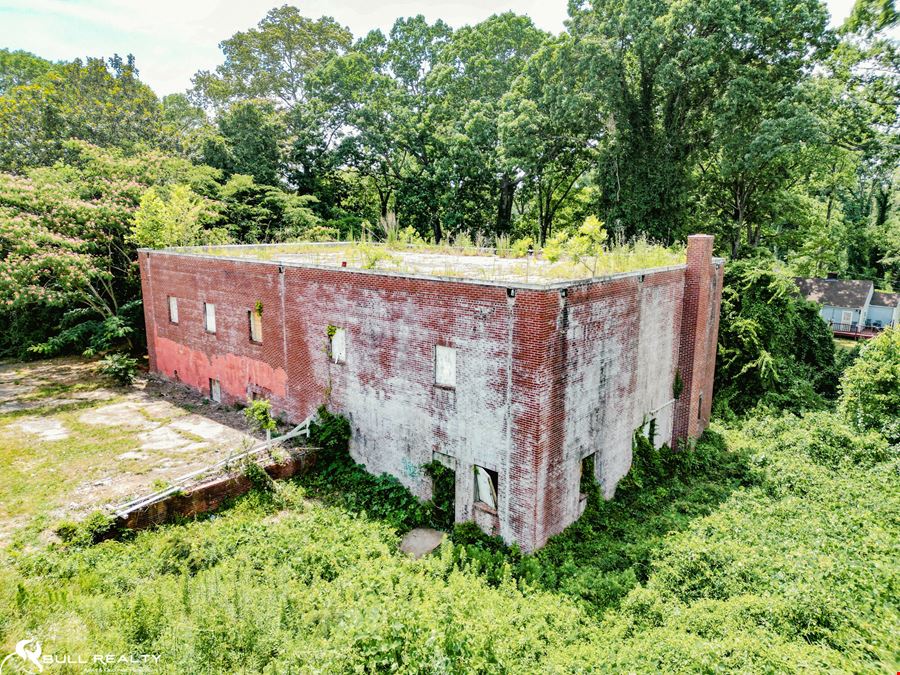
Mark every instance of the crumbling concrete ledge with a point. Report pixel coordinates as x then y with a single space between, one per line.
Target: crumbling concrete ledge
213 493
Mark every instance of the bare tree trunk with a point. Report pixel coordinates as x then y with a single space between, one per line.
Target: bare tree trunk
436 228
505 204
545 216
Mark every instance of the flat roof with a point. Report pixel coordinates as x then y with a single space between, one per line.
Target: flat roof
475 265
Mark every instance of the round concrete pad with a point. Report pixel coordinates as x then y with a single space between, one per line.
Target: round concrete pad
421 541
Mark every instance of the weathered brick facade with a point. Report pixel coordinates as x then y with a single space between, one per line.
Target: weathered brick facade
546 375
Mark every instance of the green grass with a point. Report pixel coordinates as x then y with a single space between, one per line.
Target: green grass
36 474
773 549
846 344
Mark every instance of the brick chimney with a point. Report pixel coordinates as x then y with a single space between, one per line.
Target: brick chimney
699 333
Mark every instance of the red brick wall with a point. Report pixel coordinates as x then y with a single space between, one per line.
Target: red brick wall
699 333
612 355
544 376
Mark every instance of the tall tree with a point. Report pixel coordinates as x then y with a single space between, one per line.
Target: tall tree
668 72
102 102
18 68
272 60
250 140
476 69
551 127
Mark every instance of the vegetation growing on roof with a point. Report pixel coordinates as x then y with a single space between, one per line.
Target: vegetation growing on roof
581 257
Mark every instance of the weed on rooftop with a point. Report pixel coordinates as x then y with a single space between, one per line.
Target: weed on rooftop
506 262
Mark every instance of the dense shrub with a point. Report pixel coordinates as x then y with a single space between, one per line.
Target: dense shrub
120 367
774 349
339 480
699 570
259 416
870 388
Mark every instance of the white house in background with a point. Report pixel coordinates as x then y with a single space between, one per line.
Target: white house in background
852 307
884 310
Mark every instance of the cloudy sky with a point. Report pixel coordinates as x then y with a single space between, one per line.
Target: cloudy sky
172 39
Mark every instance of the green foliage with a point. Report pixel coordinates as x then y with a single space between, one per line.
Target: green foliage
677 385
259 415
66 248
101 102
249 142
774 349
80 332
120 367
870 387
341 481
272 60
95 527
767 548
372 255
258 477
521 247
174 221
549 128
18 68
443 494
257 213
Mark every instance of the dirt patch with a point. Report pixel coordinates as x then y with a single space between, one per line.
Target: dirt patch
51 383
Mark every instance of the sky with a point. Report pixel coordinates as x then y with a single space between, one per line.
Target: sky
173 39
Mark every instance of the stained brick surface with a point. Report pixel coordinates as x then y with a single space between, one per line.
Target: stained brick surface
544 376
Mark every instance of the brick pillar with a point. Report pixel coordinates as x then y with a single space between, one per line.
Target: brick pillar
699 332
533 446
148 301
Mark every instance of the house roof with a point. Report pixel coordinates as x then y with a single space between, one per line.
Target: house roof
835 292
885 299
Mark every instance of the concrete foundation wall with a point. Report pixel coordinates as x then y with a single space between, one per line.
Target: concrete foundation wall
544 376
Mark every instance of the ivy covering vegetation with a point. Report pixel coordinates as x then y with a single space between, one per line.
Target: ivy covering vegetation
774 349
772 547
786 568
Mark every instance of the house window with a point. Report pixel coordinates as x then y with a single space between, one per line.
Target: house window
339 345
254 318
444 366
173 309
215 390
209 314
486 486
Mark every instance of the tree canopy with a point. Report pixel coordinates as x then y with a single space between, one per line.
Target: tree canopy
757 123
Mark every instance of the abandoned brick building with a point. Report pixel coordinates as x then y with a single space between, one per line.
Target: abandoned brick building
511 380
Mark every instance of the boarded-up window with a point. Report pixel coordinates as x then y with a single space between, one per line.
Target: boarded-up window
215 390
209 313
486 486
445 366
339 345
255 319
173 309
